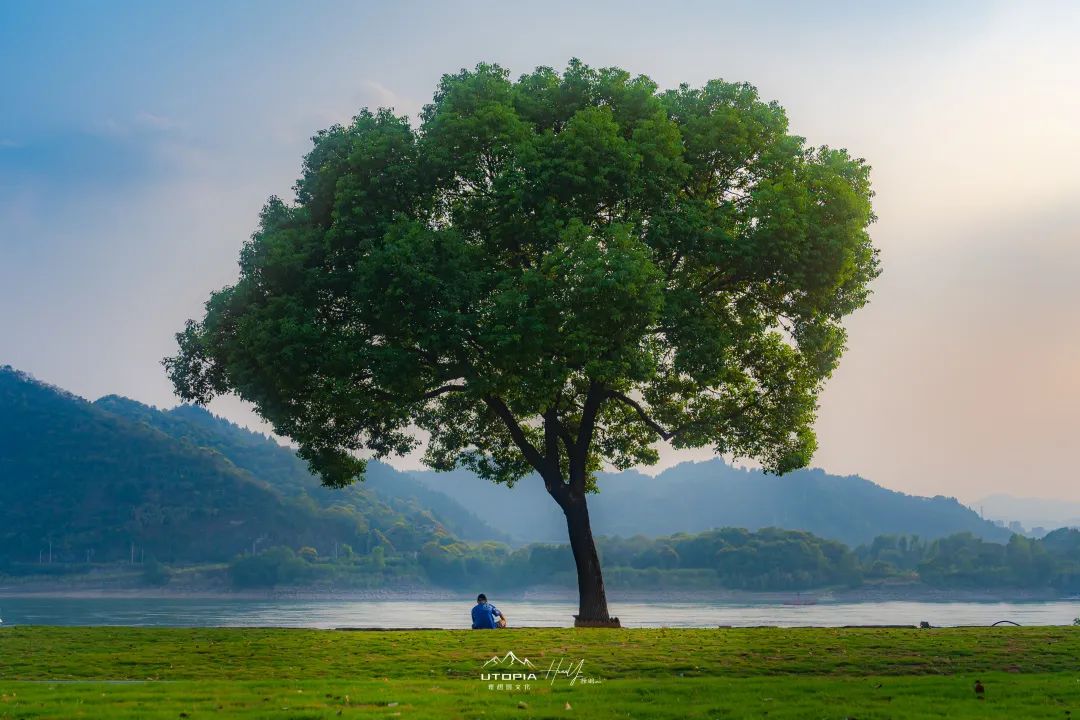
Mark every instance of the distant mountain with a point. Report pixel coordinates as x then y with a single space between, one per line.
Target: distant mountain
102 480
694 497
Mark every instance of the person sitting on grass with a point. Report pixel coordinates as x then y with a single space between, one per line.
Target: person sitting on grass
484 614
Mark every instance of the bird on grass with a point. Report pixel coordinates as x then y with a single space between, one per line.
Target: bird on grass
980 691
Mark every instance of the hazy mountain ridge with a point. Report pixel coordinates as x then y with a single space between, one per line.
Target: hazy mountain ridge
695 497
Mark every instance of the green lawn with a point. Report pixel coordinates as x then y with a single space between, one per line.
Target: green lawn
729 673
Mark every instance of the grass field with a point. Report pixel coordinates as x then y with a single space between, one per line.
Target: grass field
728 673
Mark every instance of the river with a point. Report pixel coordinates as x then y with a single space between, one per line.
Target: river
189 612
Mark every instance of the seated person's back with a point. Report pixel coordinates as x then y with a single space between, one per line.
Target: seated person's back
484 614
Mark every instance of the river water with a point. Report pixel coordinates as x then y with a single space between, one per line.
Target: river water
187 612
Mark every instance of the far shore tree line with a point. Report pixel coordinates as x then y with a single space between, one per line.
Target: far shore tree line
770 559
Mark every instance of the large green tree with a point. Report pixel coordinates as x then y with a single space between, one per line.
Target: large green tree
547 275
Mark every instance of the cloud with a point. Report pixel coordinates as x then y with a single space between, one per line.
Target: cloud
155 122
141 123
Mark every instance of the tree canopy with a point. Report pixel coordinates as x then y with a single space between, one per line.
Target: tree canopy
552 273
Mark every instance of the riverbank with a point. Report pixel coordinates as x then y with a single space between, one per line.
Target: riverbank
661 673
868 593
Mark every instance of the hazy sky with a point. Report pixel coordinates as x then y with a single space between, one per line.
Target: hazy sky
138 142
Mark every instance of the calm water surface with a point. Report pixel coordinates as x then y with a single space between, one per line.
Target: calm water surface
455 614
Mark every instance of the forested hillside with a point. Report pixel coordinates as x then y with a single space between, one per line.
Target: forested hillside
280 467
114 480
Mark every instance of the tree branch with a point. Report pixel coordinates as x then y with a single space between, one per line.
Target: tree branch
442 391
551 437
594 399
726 278
532 455
553 479
655 426
551 474
566 437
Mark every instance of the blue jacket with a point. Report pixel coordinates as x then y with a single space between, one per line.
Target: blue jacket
483 616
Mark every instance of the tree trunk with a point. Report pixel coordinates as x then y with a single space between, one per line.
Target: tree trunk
592 608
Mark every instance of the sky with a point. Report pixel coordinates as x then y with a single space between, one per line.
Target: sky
139 140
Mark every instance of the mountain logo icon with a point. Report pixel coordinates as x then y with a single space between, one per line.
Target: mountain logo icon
509 660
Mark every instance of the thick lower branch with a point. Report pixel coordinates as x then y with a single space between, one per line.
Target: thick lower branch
532 455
